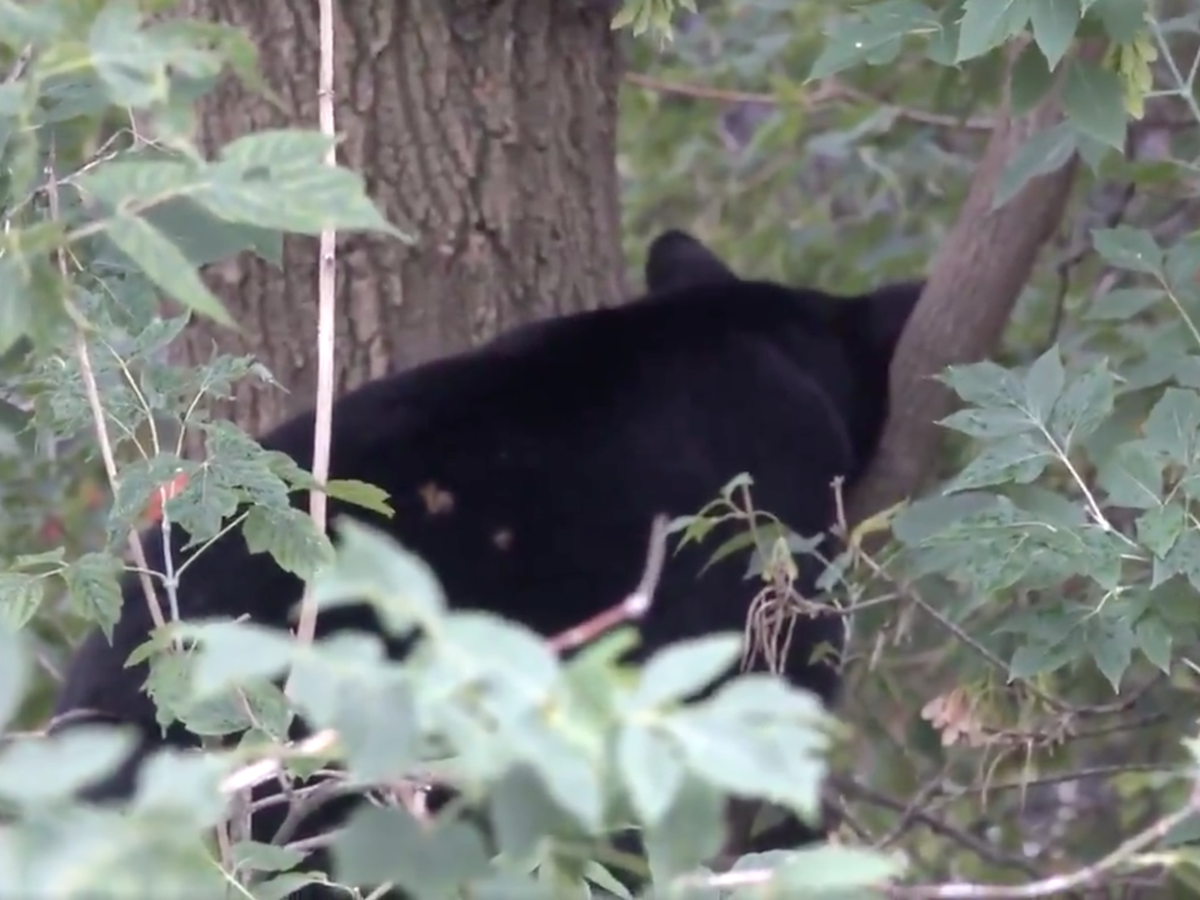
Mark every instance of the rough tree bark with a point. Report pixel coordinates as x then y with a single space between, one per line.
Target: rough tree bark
487 128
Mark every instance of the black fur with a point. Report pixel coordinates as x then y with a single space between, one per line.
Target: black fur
558 443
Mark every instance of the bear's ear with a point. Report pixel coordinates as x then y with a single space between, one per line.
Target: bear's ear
678 260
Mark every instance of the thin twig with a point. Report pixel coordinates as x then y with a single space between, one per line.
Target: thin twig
326 319
92 389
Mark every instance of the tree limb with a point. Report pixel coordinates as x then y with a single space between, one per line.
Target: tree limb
976 278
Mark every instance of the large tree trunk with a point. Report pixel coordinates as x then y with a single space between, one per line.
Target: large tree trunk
487 128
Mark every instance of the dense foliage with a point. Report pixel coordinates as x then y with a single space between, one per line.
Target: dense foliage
1021 683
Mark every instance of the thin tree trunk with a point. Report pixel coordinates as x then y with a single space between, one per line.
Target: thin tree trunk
486 129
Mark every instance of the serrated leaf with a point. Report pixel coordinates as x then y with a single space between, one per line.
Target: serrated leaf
1132 477
1172 425
990 423
1160 527
359 493
1082 406
21 595
1020 459
290 536
95 589
984 384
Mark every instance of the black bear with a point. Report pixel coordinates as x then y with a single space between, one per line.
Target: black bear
554 447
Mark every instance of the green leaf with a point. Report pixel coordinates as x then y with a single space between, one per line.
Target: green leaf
380 845
1031 660
36 771
1160 527
253 704
259 857
131 67
290 536
1132 477
371 568
126 180
990 423
1086 402
165 265
852 44
1030 81
93 583
1123 303
184 786
1182 559
1129 248
359 493
1154 639
21 595
1044 383
485 647
989 23
233 652
1172 425
278 179
1044 152
683 668
691 832
569 770
1054 24
22 24
1094 102
1123 20
1111 644
985 384
652 768
819 870
345 682
757 737
1017 460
